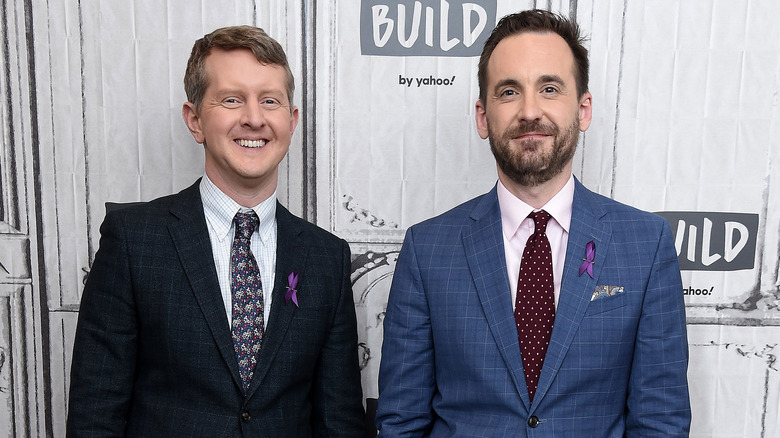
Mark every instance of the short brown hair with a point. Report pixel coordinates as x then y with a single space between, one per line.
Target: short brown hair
539 21
266 49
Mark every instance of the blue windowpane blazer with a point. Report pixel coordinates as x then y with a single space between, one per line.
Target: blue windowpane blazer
617 360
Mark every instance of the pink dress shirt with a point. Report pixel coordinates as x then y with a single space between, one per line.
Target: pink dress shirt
517 227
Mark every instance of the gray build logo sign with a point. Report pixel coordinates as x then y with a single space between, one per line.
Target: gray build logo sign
708 241
430 28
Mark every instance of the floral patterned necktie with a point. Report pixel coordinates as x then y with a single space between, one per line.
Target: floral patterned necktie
247 290
535 304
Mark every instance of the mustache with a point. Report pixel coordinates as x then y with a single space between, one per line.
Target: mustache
525 127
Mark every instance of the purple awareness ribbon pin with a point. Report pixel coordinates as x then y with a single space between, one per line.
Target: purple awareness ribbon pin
590 255
292 294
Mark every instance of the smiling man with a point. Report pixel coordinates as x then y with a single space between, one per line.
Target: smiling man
215 312
539 309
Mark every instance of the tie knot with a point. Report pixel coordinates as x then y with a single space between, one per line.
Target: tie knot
246 224
540 218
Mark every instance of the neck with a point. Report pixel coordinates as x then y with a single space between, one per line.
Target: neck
539 195
245 196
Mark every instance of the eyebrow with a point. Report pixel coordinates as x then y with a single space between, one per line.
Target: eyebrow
548 78
552 78
505 83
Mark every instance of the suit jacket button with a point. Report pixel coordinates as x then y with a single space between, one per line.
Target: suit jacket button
533 421
245 416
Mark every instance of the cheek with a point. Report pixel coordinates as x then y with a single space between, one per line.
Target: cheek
502 116
282 126
217 126
499 126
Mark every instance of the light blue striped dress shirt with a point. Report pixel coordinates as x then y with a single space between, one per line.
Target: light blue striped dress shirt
220 210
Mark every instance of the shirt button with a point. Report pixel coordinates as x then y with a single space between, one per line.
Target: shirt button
533 421
245 416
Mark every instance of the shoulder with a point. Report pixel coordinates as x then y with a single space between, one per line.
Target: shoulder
291 225
462 215
183 206
618 215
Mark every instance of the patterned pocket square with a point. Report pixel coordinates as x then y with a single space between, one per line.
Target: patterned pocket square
606 291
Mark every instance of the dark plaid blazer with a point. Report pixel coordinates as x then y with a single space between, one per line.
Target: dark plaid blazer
153 353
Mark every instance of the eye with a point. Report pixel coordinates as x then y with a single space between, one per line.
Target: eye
508 92
270 103
231 102
549 89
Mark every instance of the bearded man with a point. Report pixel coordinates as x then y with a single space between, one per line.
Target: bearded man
540 308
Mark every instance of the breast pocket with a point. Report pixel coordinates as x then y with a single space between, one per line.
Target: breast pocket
609 327
606 304
304 337
310 326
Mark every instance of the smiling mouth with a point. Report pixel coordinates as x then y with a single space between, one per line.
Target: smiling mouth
251 143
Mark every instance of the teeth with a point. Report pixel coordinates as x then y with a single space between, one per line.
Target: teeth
251 143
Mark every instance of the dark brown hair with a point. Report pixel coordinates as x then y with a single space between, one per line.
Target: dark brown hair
539 21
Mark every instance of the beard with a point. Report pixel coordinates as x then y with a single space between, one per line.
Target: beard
527 164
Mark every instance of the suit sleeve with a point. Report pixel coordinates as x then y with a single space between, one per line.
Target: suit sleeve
658 401
406 377
104 353
337 392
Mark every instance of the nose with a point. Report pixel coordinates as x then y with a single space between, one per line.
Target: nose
252 115
529 108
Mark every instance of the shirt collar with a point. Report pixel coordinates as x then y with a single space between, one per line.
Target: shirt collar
220 209
514 211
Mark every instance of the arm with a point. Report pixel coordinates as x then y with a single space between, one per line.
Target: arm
658 402
406 376
104 352
337 408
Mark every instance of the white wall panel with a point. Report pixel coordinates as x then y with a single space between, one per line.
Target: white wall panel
685 123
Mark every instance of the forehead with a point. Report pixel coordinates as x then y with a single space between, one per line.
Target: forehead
239 68
530 55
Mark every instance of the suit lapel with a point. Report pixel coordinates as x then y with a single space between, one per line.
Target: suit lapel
484 246
291 252
576 290
190 236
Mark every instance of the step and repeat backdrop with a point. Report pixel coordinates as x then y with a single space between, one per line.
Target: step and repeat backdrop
685 98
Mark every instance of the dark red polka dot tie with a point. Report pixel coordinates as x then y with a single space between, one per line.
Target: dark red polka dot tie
247 290
535 303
